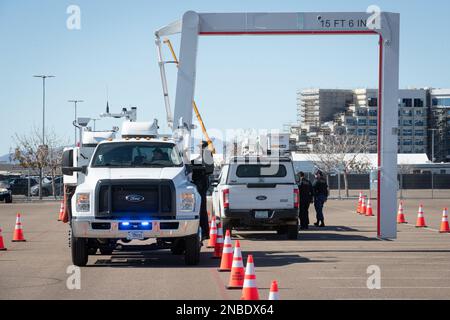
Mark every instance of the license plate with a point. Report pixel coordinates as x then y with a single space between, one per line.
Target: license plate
138 235
261 214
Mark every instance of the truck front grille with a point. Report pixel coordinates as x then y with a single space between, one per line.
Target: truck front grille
135 199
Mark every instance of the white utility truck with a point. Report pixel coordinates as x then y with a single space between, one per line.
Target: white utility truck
258 192
135 187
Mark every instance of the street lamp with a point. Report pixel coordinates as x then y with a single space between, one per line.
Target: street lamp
43 77
432 144
432 161
94 122
75 102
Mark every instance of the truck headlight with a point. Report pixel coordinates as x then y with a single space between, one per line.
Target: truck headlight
187 201
83 202
2 190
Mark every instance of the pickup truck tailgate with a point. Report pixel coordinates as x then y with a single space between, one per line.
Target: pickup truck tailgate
254 196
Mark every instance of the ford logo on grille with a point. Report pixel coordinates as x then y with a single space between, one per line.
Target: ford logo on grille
134 198
261 198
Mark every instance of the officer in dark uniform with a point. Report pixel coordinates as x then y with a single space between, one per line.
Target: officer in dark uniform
320 190
306 197
200 177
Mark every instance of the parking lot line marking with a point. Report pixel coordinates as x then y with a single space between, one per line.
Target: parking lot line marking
385 288
384 278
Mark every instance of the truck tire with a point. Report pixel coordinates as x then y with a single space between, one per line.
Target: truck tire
80 251
192 253
8 199
292 232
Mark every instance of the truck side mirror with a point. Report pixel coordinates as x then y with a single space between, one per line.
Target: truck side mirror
67 159
70 170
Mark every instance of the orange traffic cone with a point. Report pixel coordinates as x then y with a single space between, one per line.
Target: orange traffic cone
2 245
369 211
18 232
250 290
219 243
61 211
273 295
237 269
444 224
400 216
363 206
227 254
420 218
358 208
212 233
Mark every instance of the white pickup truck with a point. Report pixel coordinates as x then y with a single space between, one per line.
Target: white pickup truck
134 188
258 193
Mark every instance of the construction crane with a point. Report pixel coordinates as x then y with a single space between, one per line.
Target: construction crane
166 94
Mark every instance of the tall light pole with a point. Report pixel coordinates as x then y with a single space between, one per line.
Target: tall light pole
432 144
43 77
432 161
94 122
75 102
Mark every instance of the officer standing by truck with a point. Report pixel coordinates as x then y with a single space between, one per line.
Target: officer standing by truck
306 197
200 178
320 190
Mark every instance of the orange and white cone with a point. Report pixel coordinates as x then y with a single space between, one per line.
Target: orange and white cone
369 211
363 206
444 224
250 290
61 212
237 269
273 294
358 208
400 215
2 244
227 254
219 243
420 218
18 231
212 233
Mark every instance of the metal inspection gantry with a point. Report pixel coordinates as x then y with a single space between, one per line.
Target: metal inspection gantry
385 25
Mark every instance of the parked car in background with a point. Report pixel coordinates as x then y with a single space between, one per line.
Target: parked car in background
47 187
19 186
5 192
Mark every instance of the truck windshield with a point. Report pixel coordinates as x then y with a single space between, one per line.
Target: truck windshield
136 155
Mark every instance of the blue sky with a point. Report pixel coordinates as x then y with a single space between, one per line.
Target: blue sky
242 82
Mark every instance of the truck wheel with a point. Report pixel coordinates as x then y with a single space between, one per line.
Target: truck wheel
80 251
8 199
178 247
192 253
292 232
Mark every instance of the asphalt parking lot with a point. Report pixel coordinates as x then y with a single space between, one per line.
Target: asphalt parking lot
328 263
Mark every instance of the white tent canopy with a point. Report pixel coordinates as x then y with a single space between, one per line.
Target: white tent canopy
305 161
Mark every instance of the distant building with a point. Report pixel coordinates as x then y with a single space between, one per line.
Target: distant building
315 106
439 124
323 112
